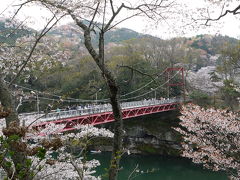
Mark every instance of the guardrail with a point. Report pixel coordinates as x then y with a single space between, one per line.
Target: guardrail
100 108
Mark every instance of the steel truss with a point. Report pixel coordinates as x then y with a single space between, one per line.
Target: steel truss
106 117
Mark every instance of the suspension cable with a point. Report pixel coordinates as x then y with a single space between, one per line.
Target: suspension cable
100 100
151 89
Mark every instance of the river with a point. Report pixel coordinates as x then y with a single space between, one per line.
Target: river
164 168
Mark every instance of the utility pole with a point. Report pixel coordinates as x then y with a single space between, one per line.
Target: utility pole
155 92
168 82
37 98
184 85
37 104
96 94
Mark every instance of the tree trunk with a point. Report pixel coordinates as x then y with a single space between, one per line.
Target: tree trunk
113 90
7 102
118 133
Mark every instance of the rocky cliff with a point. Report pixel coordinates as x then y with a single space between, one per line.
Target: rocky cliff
151 134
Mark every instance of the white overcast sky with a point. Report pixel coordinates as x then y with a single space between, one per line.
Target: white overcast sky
230 25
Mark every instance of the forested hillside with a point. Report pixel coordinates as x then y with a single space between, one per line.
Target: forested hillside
134 58
117 35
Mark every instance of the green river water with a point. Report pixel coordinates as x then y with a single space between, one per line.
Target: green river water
165 168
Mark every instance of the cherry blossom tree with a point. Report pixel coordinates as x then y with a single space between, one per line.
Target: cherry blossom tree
211 137
17 58
37 161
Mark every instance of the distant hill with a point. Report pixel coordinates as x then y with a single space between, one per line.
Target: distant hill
211 44
115 35
70 35
70 32
10 34
208 46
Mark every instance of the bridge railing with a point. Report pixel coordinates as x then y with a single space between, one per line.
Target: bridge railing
100 108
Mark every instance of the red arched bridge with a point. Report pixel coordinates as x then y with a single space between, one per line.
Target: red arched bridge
100 114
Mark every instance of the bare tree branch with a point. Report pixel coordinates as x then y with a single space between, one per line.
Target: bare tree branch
6 8
129 17
234 12
112 18
20 7
150 8
104 14
111 3
95 12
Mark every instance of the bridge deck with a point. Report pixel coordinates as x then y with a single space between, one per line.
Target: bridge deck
102 113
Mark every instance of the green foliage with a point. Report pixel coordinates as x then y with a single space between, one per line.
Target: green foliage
228 62
230 94
28 163
201 44
41 153
13 137
200 98
80 78
121 34
106 174
21 175
229 89
15 153
8 164
10 153
147 148
18 166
